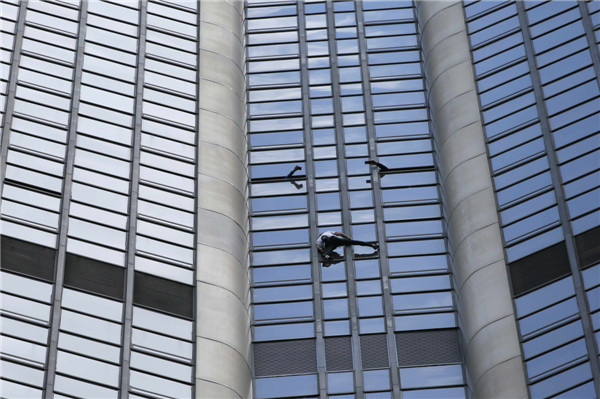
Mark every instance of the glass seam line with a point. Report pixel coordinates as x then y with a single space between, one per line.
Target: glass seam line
312 203
343 189
133 204
11 89
378 202
65 205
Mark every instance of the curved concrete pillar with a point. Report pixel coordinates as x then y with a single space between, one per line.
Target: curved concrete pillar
223 298
488 325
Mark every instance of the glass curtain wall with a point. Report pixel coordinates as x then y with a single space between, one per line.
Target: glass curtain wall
332 85
98 202
537 68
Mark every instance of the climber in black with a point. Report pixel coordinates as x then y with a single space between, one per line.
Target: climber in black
330 240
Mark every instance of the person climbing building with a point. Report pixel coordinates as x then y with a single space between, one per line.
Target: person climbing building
330 240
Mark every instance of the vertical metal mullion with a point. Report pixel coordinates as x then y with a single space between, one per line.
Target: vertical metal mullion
65 205
589 33
196 172
378 204
133 205
560 199
312 204
11 88
345 202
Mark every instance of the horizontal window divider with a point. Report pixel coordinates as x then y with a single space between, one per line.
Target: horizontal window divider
570 341
171 92
159 258
519 162
26 318
24 339
25 222
500 68
165 223
98 359
174 190
573 106
34 86
92 382
104 44
282 283
14 316
35 153
558 369
8 312
177 157
51 29
403 312
535 212
506 99
530 234
420 273
283 320
559 45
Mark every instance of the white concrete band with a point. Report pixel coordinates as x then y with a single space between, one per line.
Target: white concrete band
223 367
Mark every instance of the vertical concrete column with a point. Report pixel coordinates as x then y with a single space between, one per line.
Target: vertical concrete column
488 325
223 306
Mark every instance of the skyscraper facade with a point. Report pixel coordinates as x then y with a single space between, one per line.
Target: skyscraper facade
158 235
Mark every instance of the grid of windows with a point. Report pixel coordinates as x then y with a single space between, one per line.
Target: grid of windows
100 190
332 85
536 70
